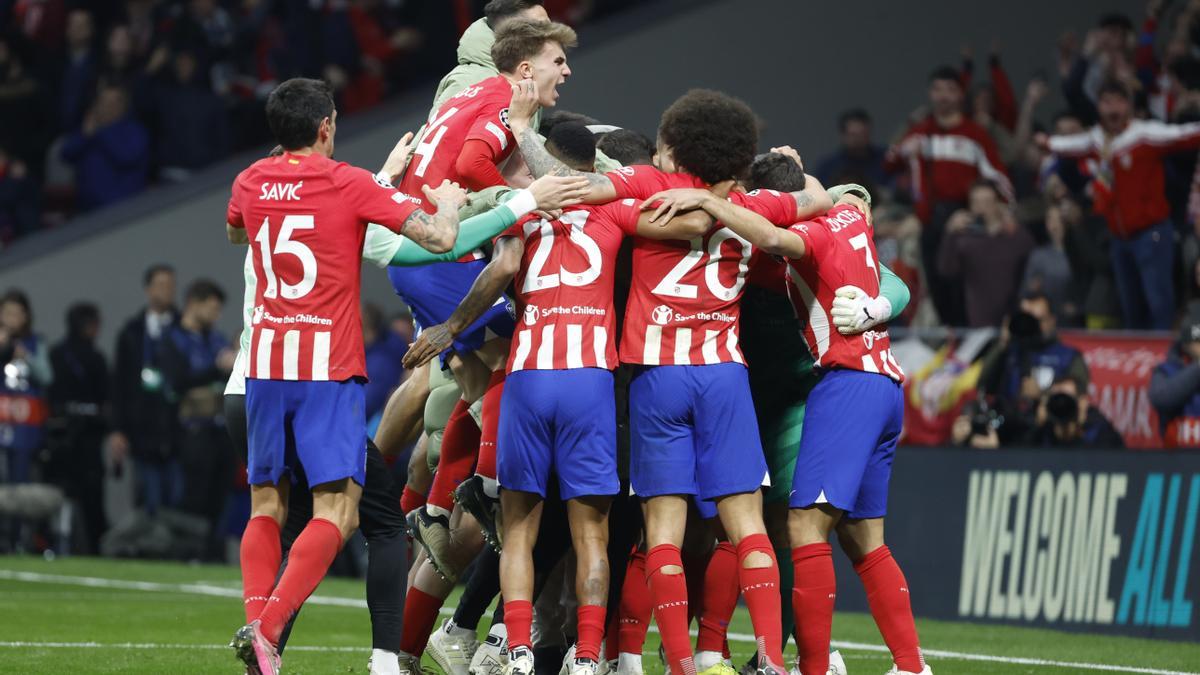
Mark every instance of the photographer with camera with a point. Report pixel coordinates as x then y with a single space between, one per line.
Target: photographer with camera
1175 388
1022 366
1065 419
978 426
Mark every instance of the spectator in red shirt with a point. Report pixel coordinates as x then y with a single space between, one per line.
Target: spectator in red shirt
945 154
1124 159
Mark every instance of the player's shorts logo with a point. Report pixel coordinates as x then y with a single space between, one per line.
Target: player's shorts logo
258 315
504 118
661 315
531 314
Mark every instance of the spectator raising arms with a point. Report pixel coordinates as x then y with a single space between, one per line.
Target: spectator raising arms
1123 158
945 154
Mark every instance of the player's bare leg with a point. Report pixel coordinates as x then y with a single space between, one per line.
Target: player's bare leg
401 421
588 518
887 590
816 585
419 477
665 519
521 515
758 573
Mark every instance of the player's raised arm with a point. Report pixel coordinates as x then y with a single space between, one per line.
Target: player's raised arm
436 232
747 224
541 163
488 286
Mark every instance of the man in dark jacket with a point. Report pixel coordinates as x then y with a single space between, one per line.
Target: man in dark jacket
111 152
196 361
1175 388
78 402
143 417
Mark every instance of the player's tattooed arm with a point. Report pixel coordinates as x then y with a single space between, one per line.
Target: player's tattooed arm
542 163
749 225
436 232
521 109
486 289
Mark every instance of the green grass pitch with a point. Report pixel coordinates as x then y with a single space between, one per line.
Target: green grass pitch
84 615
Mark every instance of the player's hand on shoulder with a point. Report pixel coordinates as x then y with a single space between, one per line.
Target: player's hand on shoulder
431 342
555 192
524 104
854 310
448 194
397 159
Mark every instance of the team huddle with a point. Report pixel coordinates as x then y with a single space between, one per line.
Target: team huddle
596 423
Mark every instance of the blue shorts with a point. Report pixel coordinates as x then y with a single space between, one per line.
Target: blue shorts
434 291
850 432
318 426
563 421
694 432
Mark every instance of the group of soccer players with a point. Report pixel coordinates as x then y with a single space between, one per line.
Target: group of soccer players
605 431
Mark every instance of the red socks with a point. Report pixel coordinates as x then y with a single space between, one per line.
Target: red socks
411 500
760 587
308 561
590 633
260 557
460 444
669 592
720 598
887 594
518 619
420 614
636 607
812 604
489 418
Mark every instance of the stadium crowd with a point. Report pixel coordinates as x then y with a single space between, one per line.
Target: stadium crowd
101 100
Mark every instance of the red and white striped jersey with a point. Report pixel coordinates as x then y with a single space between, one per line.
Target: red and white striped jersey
684 300
479 112
839 251
1128 178
566 317
306 217
943 163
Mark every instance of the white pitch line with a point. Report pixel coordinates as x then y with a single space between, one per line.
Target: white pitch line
226 592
